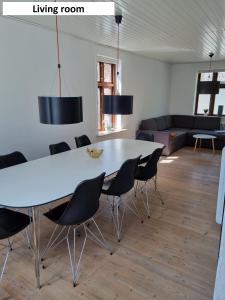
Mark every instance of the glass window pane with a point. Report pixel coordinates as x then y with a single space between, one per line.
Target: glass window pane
219 100
206 77
107 118
203 103
107 91
221 77
107 73
99 110
98 71
107 122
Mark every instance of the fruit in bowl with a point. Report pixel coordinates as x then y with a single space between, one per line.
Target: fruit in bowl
94 152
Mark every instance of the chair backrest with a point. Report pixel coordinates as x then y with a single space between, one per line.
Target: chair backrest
124 180
84 202
82 141
12 159
150 169
59 148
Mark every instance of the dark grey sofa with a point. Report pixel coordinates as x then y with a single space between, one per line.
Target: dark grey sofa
176 131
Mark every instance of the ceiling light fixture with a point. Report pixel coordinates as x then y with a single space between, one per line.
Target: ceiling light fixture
118 104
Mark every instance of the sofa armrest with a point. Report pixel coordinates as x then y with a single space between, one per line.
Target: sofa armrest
163 137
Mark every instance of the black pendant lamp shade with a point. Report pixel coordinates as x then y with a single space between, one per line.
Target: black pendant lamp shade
209 87
118 105
60 110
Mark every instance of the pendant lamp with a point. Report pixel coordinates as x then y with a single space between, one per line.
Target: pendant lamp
60 110
118 104
209 87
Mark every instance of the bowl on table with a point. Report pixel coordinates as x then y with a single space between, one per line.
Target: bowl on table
94 152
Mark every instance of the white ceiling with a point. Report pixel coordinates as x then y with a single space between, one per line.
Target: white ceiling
168 30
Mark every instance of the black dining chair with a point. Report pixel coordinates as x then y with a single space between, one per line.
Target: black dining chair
82 141
59 148
117 187
145 174
12 159
11 223
77 213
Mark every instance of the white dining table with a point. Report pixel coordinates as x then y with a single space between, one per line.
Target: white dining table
42 181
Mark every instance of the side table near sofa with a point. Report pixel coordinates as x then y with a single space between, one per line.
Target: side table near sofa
200 137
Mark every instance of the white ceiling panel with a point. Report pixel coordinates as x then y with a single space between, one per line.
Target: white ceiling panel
168 30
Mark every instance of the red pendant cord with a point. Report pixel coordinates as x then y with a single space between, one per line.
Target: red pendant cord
118 60
58 57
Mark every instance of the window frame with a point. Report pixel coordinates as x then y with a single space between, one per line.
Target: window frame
101 85
212 97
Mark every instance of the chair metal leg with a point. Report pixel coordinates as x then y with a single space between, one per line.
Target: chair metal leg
111 200
54 240
147 202
136 188
75 268
134 211
5 261
157 190
100 241
145 197
27 238
118 222
10 248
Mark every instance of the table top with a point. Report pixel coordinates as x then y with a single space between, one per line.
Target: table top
47 179
204 136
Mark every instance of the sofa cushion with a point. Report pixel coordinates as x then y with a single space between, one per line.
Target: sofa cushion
145 136
202 131
173 129
182 121
207 123
162 123
149 124
168 121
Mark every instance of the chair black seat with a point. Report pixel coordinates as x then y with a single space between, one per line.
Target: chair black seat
55 213
147 172
123 182
83 205
12 222
139 172
142 175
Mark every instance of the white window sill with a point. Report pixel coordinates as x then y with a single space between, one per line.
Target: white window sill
108 132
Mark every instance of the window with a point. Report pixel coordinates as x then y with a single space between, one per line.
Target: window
210 102
106 86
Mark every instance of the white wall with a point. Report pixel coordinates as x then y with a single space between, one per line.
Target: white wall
183 85
220 282
28 69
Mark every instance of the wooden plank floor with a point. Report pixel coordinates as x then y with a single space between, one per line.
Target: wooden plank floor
172 256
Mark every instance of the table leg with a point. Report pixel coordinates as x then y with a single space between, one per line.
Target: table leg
213 145
196 143
200 145
36 245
